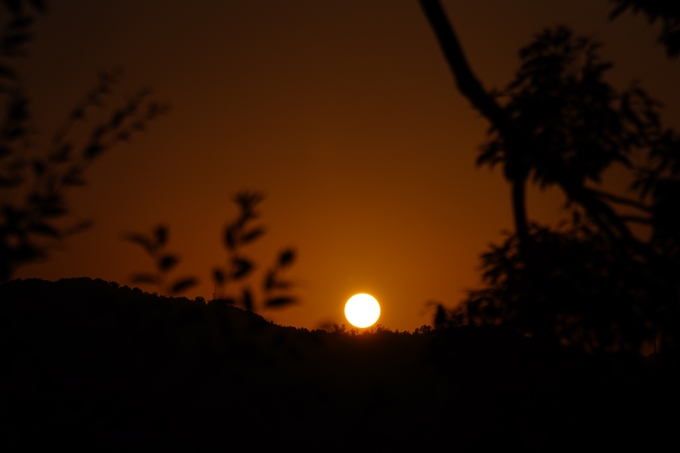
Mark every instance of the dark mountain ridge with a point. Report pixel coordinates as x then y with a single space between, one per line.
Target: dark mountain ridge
88 362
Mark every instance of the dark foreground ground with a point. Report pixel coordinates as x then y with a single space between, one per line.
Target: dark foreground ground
86 363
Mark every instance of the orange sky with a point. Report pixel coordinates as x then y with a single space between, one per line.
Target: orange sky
343 113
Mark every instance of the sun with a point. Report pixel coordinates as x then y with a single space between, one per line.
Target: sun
362 310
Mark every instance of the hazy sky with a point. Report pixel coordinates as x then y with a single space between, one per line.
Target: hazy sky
343 113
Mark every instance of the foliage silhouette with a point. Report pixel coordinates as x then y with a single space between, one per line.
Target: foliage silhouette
585 293
34 184
154 246
667 12
238 234
576 125
591 283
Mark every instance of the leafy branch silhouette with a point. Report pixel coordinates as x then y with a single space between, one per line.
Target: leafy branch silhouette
155 246
237 268
34 184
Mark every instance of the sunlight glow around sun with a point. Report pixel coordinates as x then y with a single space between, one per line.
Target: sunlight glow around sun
362 310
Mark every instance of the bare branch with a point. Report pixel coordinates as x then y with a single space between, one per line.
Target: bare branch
468 84
636 219
620 200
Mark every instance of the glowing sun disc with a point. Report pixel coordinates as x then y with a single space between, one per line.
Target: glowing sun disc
362 310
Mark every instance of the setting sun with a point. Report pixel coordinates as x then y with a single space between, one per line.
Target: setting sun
362 310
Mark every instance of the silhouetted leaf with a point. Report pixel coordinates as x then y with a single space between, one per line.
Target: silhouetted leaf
6 72
38 167
73 177
278 302
14 6
218 276
247 201
247 300
16 132
145 278
230 237
282 284
116 119
21 22
286 257
161 235
98 132
16 40
77 113
141 240
62 155
183 285
252 235
153 110
39 5
17 164
167 262
44 229
271 282
53 211
35 199
242 267
12 181
78 227
93 150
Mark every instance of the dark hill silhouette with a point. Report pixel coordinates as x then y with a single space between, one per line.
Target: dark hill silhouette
88 362
111 367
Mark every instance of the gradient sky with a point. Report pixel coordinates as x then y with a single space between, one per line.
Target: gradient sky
343 113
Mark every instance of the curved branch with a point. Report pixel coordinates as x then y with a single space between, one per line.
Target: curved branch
620 200
637 219
468 84
472 89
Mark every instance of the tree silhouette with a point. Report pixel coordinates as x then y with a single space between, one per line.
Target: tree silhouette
34 183
592 283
